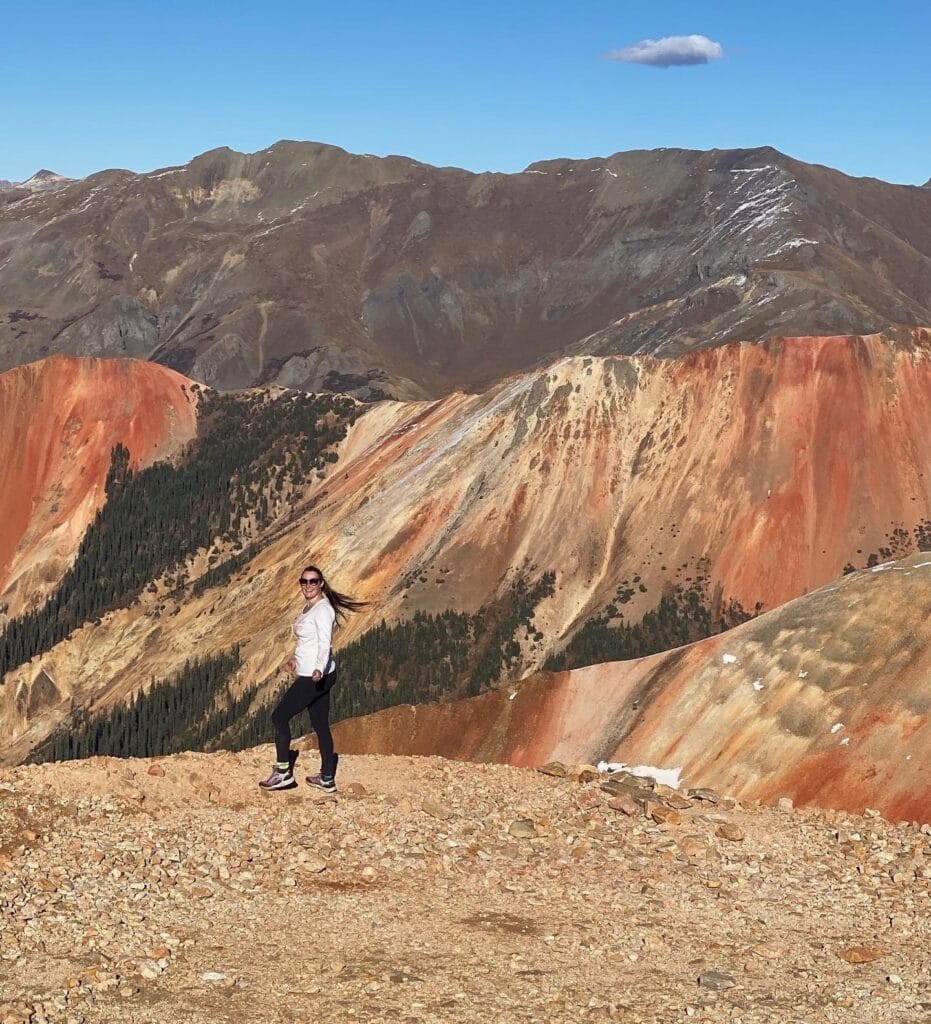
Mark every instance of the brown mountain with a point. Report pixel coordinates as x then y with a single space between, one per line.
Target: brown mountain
764 469
311 267
41 181
825 700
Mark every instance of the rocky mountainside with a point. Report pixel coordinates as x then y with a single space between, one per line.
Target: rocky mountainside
41 181
315 268
151 891
824 700
59 420
754 473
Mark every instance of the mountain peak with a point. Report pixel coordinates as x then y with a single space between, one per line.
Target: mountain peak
45 180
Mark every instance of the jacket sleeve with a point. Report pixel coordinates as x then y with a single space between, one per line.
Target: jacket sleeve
323 623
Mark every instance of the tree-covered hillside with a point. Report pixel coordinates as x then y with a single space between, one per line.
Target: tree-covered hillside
425 658
253 456
681 617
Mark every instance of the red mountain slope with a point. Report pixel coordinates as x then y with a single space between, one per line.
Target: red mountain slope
778 463
827 700
773 465
59 419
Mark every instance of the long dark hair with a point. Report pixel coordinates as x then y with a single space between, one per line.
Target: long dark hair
342 603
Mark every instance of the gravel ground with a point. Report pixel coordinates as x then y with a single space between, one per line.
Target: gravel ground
428 890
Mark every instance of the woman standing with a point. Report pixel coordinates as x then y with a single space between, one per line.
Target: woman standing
316 673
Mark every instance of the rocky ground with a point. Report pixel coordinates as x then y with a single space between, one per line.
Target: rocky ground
427 890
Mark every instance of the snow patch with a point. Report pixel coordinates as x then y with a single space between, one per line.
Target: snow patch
671 777
729 659
753 170
758 685
268 231
845 742
793 243
836 727
89 198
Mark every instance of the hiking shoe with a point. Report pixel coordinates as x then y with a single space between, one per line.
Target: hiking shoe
279 780
327 785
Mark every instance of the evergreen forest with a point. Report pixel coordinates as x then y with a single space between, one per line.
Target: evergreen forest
681 617
253 455
183 712
433 657
426 658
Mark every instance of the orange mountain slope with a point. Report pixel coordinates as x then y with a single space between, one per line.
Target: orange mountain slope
778 463
59 419
766 468
826 699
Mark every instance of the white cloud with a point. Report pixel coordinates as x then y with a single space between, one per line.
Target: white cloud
670 51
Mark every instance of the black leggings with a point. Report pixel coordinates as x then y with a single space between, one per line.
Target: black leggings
305 692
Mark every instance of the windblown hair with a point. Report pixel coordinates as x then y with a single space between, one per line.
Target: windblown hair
342 603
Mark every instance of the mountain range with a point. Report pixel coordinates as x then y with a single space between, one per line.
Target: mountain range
739 477
627 456
309 267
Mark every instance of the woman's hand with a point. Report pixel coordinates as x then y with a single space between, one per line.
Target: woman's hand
316 675
289 665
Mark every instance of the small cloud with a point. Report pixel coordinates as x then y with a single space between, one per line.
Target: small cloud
670 51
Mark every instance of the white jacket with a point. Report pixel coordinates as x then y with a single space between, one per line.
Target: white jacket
314 632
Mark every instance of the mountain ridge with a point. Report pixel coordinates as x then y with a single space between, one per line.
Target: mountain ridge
421 494
311 267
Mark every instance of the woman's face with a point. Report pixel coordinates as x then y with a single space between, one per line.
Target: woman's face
310 584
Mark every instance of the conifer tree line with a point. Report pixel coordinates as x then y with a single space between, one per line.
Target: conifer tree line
183 712
681 617
899 543
432 657
251 452
426 658
223 571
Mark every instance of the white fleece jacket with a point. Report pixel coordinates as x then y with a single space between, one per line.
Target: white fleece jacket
314 632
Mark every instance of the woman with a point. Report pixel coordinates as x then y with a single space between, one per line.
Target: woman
316 674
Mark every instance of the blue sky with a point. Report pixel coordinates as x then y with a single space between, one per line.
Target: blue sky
483 85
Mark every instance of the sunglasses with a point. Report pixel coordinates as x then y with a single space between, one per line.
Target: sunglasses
310 581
